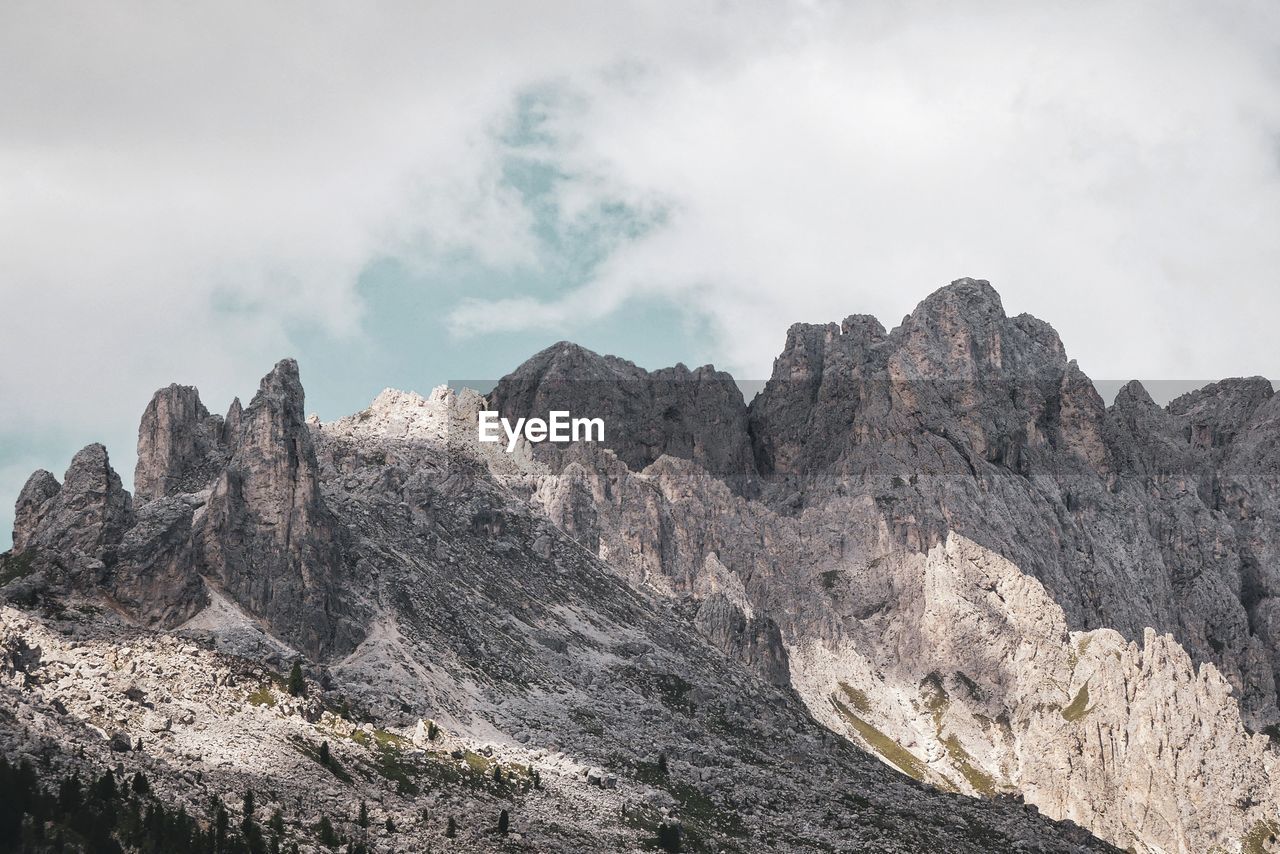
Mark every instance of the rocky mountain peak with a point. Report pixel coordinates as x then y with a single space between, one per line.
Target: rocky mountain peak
180 445
90 512
973 298
698 415
266 535
31 507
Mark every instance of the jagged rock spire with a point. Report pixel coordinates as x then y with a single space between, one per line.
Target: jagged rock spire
179 444
266 536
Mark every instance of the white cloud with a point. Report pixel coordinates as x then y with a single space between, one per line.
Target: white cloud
1110 167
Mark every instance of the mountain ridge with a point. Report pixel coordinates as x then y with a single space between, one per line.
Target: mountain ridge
737 580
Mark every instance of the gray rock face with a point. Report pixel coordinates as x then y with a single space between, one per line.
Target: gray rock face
755 641
697 415
938 537
875 446
32 506
86 517
266 536
958 384
153 577
236 501
181 446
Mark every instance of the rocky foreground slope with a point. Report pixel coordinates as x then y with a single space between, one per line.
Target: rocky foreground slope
924 576
465 659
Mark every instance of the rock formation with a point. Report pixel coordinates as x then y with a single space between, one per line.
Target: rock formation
934 544
181 447
877 448
698 415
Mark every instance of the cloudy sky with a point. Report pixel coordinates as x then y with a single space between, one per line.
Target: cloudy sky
403 195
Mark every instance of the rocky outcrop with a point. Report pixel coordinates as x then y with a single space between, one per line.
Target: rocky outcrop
153 577
697 415
974 676
874 446
956 385
755 641
83 519
937 536
265 536
34 502
181 447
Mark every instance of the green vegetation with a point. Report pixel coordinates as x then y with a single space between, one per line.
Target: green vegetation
391 762
981 781
903 759
297 685
320 755
670 836
829 579
1079 707
1262 834
937 701
325 832
108 816
588 721
699 813
380 738
264 696
673 691
857 697
477 762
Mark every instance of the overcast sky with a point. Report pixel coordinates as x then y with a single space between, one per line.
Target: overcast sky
434 190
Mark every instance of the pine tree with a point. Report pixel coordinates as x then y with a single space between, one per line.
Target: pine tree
504 821
221 824
140 785
391 825
451 829
325 833
297 686
277 823
662 764
70 794
670 837
248 806
497 774
363 820
324 754
433 731
105 788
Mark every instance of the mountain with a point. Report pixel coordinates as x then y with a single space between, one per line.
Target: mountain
925 592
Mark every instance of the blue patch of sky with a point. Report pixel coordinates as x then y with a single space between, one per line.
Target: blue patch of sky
406 342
